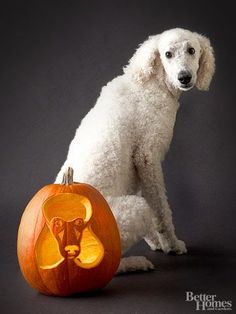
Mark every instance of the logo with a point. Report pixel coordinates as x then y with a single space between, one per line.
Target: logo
208 302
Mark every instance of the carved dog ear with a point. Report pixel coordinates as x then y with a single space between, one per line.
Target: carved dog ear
47 250
143 63
91 250
206 64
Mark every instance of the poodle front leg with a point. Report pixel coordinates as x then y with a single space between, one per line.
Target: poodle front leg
134 218
153 189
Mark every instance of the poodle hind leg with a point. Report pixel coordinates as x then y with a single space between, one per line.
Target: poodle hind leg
134 263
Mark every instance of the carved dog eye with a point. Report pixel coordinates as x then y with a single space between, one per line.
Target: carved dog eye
58 223
79 222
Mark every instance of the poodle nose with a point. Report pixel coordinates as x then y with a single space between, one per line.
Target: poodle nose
184 77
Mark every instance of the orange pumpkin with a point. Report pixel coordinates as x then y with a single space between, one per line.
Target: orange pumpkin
68 240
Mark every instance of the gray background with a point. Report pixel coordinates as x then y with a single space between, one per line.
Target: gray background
55 57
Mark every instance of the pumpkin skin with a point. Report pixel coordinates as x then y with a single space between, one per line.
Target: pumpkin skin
73 274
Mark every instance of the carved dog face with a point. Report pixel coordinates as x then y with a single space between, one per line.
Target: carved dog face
67 233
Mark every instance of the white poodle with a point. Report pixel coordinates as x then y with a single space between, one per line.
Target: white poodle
120 144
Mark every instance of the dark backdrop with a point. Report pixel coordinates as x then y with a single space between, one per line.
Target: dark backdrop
55 57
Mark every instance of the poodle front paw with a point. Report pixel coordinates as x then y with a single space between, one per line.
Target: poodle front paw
179 247
176 246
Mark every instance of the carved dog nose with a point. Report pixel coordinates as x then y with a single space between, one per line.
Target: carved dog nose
184 77
72 249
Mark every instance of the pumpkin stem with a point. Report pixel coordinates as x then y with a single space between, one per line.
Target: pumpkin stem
68 176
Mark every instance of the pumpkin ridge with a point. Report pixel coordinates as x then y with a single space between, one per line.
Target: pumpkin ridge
68 276
36 267
55 280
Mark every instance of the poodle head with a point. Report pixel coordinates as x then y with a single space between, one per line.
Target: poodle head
182 58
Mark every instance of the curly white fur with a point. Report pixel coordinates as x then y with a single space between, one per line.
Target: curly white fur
120 144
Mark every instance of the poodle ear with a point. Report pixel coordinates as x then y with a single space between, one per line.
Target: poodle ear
143 63
206 64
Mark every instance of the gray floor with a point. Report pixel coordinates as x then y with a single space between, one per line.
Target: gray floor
203 270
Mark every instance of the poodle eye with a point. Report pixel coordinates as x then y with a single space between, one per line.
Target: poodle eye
168 54
191 51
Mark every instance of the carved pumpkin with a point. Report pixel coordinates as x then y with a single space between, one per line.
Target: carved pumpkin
68 240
